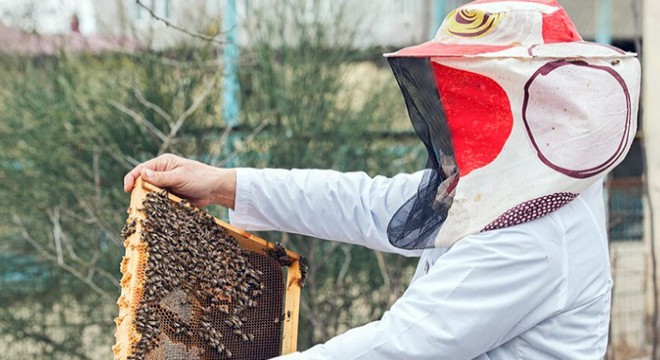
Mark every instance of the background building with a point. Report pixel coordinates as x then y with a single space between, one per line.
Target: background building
389 24
384 23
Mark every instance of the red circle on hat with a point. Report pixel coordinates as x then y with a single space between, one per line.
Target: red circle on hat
562 129
478 114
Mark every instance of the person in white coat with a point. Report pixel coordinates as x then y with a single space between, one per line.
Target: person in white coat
521 120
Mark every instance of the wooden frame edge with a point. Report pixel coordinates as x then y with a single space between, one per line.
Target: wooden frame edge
245 239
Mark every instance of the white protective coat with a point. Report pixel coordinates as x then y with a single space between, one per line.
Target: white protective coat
538 290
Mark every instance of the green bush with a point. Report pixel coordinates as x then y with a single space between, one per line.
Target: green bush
71 126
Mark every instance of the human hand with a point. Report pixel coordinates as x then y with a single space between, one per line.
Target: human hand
201 184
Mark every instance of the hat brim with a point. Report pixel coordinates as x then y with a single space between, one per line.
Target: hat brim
436 49
577 49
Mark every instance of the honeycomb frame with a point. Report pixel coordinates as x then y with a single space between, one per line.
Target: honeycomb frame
134 263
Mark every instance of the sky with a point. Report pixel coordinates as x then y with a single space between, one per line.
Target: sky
48 16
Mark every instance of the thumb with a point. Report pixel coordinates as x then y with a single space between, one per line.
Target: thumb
160 178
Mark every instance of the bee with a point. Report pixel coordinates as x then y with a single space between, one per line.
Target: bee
279 319
279 253
304 266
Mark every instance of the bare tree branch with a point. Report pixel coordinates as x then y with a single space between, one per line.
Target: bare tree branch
61 239
344 266
139 119
80 218
98 220
132 161
152 106
179 28
124 161
27 237
97 174
383 269
54 216
185 115
90 265
248 138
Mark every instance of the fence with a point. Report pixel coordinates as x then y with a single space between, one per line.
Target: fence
629 257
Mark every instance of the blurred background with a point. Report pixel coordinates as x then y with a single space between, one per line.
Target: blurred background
90 88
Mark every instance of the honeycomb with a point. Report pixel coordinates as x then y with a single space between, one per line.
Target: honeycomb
194 287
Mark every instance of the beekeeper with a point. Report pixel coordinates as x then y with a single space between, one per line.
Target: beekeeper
521 120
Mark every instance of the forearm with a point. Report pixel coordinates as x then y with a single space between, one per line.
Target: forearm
347 207
483 292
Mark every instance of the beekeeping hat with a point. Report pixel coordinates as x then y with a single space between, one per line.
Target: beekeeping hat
517 113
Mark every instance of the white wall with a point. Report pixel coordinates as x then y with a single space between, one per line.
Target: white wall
48 16
384 22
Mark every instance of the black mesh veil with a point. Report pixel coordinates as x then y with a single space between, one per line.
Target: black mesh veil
416 224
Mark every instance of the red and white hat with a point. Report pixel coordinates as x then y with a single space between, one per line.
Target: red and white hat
518 114
523 28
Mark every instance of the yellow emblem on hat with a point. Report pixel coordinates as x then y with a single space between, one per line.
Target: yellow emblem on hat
472 23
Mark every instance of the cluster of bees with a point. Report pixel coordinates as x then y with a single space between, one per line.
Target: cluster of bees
281 256
197 277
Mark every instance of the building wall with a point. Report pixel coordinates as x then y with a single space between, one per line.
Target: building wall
625 21
382 23
49 16
127 18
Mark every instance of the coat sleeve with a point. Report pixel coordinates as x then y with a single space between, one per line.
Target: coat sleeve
484 291
348 207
